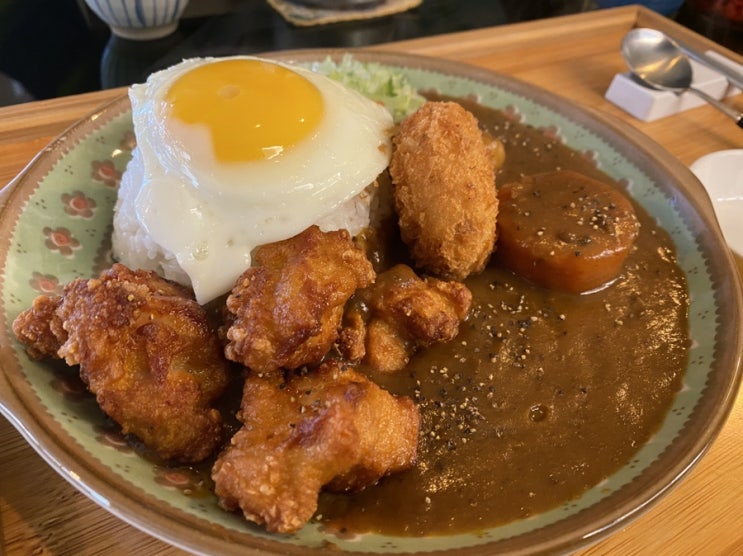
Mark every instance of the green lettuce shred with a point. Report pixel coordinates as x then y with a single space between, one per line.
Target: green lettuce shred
376 82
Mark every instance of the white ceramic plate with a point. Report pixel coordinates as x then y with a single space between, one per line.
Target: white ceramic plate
721 173
56 226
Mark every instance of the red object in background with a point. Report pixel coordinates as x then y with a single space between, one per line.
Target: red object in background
731 10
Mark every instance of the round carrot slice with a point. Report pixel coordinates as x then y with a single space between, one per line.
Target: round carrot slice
564 230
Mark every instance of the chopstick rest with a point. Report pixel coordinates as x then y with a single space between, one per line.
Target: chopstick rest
649 104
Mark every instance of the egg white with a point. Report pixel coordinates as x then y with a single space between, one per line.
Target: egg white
208 215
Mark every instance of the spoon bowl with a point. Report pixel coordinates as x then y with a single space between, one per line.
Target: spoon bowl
658 62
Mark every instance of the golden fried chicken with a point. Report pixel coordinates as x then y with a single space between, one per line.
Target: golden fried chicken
400 314
444 190
304 430
147 352
39 328
286 310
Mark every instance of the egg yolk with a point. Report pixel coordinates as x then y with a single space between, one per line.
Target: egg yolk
253 109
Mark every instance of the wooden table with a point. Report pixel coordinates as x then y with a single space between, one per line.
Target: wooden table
574 56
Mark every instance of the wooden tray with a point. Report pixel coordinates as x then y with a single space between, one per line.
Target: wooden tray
575 56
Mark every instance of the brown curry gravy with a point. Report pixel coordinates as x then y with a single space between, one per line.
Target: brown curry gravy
543 394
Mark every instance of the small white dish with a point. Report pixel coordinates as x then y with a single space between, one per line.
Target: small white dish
721 173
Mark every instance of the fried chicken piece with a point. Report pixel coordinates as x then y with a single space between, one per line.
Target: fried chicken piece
325 427
400 314
444 190
286 310
147 352
39 328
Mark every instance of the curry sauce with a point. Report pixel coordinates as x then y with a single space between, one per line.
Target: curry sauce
544 393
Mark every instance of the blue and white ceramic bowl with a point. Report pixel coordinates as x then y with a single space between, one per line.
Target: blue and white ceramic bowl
139 19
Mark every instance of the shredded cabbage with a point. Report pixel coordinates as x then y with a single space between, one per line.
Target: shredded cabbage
375 82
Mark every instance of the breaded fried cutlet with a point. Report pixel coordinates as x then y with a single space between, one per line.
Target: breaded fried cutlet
444 190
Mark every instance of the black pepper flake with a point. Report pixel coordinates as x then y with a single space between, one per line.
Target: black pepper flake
524 324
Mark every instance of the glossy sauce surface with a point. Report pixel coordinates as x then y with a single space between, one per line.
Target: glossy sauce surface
544 393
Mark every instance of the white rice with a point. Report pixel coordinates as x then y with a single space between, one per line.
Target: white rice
133 246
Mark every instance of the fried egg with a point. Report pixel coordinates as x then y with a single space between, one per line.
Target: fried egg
236 152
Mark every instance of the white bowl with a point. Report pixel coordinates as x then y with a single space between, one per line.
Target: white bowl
721 173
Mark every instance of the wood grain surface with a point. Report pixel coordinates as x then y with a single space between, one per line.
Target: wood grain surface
573 56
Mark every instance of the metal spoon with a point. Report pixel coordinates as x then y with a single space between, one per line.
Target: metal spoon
657 61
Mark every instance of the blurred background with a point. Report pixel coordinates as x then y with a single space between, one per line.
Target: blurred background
61 47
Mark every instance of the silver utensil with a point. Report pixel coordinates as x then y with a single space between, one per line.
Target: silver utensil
734 77
658 62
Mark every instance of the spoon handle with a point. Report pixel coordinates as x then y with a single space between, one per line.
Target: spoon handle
733 76
735 115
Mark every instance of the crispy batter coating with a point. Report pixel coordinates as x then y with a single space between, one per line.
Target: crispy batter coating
40 329
147 352
286 310
444 190
398 315
325 427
